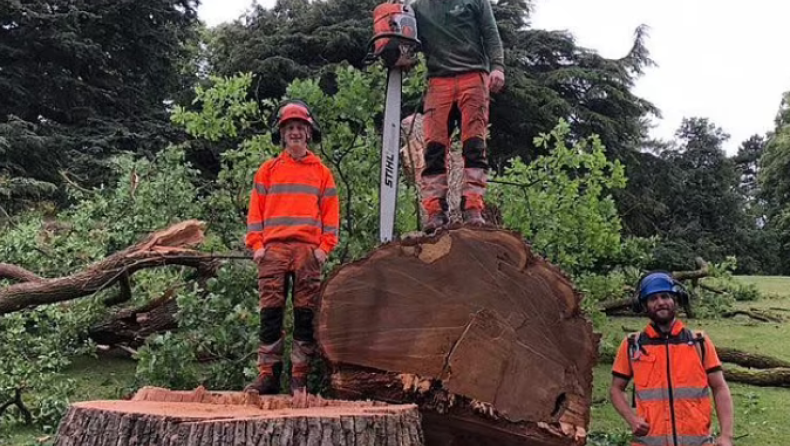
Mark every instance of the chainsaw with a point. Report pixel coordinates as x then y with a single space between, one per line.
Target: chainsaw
395 43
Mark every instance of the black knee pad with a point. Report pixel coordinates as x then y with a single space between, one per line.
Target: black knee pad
303 324
474 152
271 325
435 162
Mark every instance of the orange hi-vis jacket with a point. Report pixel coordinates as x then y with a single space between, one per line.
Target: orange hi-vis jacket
293 200
670 373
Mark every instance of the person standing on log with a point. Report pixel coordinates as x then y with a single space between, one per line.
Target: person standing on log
292 226
466 63
672 368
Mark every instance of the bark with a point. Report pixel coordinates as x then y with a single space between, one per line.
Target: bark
778 377
130 327
751 360
464 324
703 270
165 247
17 273
159 417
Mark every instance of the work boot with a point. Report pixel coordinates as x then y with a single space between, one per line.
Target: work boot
435 222
438 218
473 217
267 382
298 384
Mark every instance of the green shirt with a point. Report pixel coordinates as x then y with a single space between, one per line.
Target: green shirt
458 36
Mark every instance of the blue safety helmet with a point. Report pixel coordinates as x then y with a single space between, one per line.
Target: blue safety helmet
657 282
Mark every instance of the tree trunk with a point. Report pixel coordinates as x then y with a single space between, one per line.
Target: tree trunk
779 377
165 247
159 417
487 338
751 360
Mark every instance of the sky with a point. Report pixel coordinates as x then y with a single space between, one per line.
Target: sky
724 60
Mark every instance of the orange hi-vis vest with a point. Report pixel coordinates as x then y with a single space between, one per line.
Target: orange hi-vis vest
293 200
670 373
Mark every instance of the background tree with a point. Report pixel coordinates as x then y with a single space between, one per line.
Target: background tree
774 181
698 207
83 79
549 75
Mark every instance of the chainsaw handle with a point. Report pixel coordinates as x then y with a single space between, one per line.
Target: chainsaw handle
371 56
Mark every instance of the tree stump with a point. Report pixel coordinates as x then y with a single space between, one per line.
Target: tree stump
160 417
487 338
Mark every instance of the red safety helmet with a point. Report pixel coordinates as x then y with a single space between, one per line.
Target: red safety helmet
294 109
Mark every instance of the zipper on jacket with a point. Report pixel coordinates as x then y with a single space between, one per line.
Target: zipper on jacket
671 397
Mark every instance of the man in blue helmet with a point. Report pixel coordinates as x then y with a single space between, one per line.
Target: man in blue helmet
674 370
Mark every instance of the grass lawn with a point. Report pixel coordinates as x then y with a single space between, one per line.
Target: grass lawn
95 379
760 413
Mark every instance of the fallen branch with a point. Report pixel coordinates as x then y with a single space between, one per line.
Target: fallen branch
702 270
711 289
124 292
165 247
131 327
17 401
778 377
763 317
613 306
750 360
17 273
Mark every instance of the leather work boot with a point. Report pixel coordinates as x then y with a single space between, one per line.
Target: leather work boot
438 219
267 382
435 222
473 217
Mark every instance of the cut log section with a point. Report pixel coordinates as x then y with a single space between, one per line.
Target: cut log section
160 417
487 338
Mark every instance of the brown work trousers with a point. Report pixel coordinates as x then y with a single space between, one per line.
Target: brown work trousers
284 259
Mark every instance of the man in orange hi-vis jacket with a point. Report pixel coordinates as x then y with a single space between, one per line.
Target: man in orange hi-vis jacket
674 371
292 226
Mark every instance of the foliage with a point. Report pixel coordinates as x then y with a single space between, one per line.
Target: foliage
37 345
549 76
149 195
563 206
622 438
82 80
695 201
774 181
350 148
218 325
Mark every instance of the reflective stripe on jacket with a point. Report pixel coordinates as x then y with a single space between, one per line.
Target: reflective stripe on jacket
293 200
671 384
